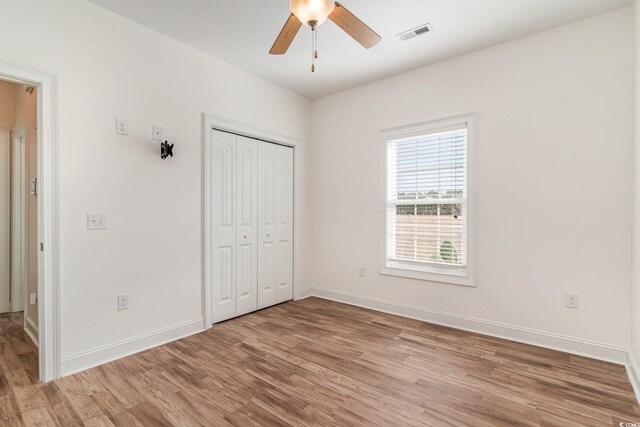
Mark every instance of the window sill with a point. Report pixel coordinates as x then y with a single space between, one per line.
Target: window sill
429 274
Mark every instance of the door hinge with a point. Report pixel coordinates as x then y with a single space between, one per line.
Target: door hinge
34 187
41 247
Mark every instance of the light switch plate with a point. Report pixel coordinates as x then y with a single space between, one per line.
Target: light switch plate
96 222
156 133
33 299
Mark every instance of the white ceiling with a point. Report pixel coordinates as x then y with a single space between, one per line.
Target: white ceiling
241 32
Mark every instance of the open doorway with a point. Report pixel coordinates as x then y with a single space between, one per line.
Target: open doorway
19 228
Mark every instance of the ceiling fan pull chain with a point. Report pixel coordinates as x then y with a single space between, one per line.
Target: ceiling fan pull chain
314 44
313 48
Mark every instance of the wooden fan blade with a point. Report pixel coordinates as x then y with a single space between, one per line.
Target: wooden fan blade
354 27
286 36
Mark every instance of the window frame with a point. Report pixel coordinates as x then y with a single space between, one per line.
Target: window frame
464 276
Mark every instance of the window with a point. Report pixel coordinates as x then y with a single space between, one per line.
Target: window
428 201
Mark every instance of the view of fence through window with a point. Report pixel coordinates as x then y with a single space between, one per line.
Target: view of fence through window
426 214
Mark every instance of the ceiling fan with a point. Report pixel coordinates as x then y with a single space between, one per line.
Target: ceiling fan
313 13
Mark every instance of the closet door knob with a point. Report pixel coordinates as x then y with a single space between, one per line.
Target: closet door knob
268 234
245 236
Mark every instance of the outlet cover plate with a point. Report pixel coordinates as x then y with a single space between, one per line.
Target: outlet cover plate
122 127
571 300
123 302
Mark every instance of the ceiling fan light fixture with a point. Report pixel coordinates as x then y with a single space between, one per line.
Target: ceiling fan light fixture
308 11
313 13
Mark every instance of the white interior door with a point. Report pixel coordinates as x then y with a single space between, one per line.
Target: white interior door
284 221
5 220
223 226
267 279
247 229
251 225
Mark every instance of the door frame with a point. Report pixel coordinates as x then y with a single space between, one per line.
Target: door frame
6 223
48 226
212 122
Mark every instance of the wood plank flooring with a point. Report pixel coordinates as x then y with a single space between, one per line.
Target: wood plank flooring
316 362
18 354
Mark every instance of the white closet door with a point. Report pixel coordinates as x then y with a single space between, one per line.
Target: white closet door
266 224
223 229
284 221
247 230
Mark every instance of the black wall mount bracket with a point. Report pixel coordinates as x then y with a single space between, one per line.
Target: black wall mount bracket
166 150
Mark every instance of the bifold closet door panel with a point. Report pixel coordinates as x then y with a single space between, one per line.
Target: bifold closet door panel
223 230
284 221
266 224
247 228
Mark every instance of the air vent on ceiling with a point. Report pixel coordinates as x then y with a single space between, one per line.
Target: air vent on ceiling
415 32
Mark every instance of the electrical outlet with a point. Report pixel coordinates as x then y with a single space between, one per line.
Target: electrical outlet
363 271
571 300
123 302
156 133
122 127
96 222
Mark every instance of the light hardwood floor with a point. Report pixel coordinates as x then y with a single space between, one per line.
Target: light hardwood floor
316 362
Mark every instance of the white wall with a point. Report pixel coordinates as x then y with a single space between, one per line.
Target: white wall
553 180
110 67
635 284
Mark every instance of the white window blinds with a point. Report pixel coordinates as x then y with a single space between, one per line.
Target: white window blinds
427 210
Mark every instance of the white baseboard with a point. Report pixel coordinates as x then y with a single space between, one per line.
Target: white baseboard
634 374
304 293
108 353
31 329
581 347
